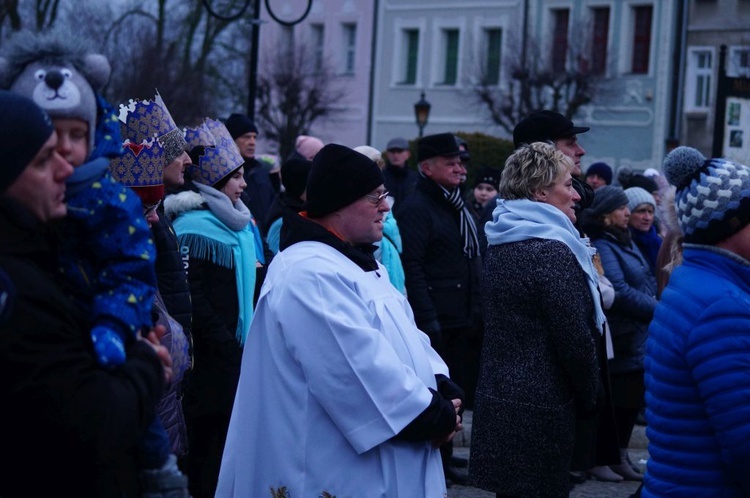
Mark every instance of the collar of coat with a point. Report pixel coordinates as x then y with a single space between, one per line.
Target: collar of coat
298 228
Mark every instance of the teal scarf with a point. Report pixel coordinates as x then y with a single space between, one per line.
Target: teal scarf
211 240
523 219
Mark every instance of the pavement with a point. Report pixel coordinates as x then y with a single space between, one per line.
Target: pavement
589 489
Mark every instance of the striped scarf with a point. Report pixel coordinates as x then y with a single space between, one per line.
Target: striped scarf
468 228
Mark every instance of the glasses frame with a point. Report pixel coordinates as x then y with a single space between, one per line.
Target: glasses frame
376 199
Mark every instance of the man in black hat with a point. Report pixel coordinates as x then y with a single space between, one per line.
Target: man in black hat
260 192
399 178
549 126
335 360
441 260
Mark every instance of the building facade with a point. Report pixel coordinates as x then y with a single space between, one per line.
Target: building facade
708 25
442 46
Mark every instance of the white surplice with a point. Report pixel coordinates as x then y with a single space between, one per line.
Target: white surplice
333 368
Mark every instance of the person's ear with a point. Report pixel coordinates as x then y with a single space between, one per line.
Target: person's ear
540 195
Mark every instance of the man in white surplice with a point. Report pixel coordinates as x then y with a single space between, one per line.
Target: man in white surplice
340 393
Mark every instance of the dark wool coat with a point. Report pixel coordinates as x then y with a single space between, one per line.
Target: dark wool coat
539 368
441 281
68 427
400 183
259 193
171 273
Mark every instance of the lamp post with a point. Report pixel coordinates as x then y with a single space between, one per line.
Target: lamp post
422 113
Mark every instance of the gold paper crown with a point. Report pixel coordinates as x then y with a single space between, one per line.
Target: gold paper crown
219 160
151 140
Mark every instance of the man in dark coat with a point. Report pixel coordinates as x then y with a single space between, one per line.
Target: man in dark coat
260 192
441 258
400 180
62 412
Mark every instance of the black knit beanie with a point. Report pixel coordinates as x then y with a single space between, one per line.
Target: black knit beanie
338 177
24 129
239 124
607 199
294 173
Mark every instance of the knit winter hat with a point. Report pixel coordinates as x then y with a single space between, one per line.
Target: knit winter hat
308 146
24 129
606 200
713 195
294 174
602 170
638 196
239 124
490 176
338 177
60 72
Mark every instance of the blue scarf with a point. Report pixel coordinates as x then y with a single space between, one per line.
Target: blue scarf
523 219
211 240
649 243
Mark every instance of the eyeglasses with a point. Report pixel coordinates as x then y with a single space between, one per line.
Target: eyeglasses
151 209
375 199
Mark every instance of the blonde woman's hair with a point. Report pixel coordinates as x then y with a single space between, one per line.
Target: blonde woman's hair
372 153
531 168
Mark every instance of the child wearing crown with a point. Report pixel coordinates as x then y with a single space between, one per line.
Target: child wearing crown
106 255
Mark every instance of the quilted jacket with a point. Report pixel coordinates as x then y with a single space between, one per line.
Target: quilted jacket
698 379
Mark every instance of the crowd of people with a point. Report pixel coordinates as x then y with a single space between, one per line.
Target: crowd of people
179 317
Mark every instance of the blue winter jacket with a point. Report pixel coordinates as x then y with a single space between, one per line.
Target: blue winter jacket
635 301
698 379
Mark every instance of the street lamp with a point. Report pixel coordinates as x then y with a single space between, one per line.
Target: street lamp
422 113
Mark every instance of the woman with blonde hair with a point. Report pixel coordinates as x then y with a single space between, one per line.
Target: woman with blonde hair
542 315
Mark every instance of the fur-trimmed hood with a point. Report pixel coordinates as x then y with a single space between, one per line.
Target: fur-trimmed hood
177 204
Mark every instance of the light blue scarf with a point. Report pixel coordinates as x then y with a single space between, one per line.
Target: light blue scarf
523 219
210 238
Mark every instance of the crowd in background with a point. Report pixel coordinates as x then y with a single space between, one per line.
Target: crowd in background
182 316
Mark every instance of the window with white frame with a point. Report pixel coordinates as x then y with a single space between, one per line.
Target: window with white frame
559 48
698 78
739 62
409 56
317 40
349 31
286 40
450 56
642 16
599 39
493 51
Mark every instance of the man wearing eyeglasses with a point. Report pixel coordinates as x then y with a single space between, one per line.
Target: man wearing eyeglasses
441 261
340 394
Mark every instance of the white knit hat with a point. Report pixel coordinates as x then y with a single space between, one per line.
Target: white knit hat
638 196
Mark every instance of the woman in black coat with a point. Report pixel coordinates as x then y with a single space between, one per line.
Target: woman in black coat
539 368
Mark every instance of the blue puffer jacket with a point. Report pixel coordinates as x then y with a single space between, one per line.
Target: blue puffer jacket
635 301
698 379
